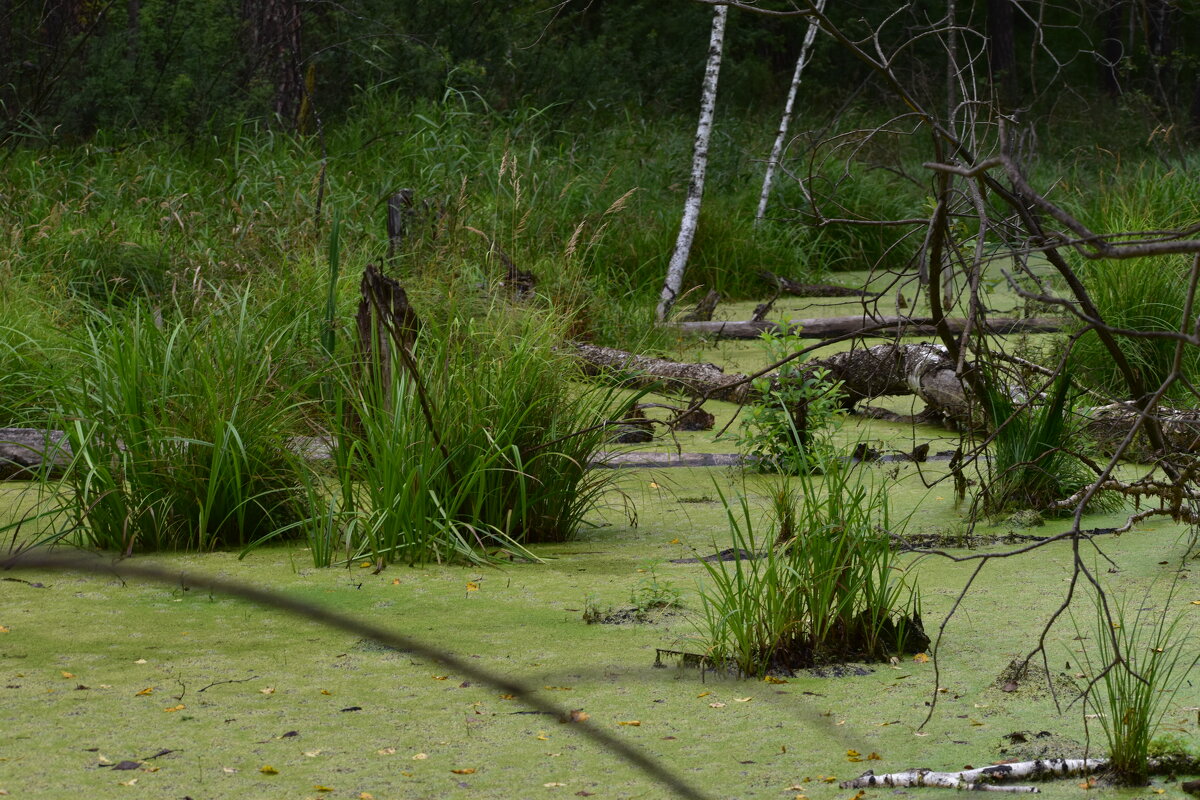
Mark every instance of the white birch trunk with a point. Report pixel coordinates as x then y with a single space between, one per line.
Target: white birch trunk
777 149
691 207
982 779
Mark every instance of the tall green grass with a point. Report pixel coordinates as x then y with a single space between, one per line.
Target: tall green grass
179 430
1141 294
822 585
505 462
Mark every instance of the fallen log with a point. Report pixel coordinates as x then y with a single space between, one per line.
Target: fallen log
879 325
982 779
992 778
886 369
23 451
923 370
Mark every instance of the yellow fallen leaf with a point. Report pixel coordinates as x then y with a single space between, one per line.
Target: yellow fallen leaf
853 753
634 722
827 778
387 751
704 694
472 586
104 761
795 787
578 715
267 769
463 771
365 565
172 709
861 793
654 485
921 658
267 690
552 784
770 679
406 774
144 692
140 661
1159 791
321 788
311 753
130 782
674 541
506 697
365 796
874 757
716 705
742 699
5 630
68 674
326 692
542 737
419 757
439 677
229 770
395 581
854 759
800 797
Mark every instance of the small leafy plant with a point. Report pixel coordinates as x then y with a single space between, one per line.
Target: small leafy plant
652 593
790 429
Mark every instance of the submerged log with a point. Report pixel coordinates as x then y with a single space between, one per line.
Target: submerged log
797 289
863 324
23 451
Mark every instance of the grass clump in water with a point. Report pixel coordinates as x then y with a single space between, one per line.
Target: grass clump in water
1142 661
1035 455
822 587
178 430
501 460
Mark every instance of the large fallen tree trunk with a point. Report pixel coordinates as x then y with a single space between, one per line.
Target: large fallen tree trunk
923 370
886 369
864 324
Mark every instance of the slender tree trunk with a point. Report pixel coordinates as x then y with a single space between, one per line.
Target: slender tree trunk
951 61
1111 49
777 149
274 30
1002 51
1159 24
691 207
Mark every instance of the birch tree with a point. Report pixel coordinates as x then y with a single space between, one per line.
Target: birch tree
691 206
777 149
